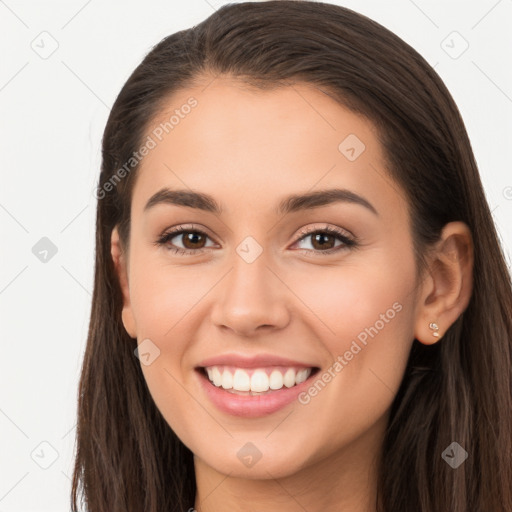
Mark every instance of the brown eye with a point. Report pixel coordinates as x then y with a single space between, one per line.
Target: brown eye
326 241
323 241
193 240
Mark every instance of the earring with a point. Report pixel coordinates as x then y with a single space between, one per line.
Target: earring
435 328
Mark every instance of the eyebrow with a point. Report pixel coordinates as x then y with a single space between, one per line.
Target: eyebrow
290 204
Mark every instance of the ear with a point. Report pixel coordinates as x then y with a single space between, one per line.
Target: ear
121 266
447 286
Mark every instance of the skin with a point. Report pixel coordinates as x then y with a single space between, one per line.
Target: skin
249 149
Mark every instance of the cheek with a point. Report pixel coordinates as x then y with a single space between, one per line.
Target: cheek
364 314
163 300
162 295
350 299
364 318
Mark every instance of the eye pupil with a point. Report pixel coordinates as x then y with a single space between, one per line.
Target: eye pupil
317 238
191 237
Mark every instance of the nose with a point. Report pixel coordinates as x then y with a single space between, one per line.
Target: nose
251 299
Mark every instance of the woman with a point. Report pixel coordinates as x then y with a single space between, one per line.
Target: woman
300 300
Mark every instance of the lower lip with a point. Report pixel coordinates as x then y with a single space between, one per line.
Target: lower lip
251 406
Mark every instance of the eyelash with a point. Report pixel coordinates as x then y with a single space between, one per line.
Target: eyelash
348 243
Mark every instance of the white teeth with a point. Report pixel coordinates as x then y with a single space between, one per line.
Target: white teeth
302 375
276 380
259 380
289 378
227 380
216 376
241 380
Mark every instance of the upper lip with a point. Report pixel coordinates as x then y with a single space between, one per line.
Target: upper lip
255 361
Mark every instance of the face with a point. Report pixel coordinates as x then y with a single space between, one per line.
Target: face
312 300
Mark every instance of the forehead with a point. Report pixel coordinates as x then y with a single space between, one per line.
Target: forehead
240 143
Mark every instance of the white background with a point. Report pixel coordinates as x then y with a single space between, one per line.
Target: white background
52 115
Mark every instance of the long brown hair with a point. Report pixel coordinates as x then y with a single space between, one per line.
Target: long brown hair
460 389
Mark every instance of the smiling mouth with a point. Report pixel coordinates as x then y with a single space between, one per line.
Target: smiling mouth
256 381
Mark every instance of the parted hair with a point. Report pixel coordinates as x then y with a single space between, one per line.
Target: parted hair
128 459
